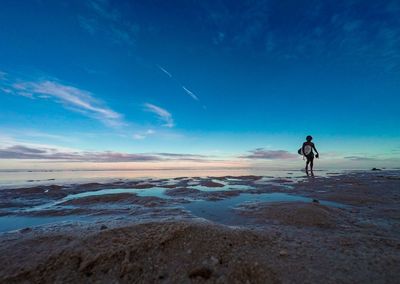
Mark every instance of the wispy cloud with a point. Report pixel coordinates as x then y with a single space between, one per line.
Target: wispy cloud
360 158
29 134
337 33
21 138
6 90
103 18
381 160
23 152
185 156
88 24
396 150
101 7
138 136
143 135
28 153
162 114
261 153
70 97
2 75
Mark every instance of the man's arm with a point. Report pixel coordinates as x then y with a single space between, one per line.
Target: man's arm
315 149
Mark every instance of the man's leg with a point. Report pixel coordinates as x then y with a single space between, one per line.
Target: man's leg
312 166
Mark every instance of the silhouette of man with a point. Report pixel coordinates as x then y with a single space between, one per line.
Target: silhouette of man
307 150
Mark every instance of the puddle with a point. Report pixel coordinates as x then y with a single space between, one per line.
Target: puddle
154 192
12 223
221 211
226 187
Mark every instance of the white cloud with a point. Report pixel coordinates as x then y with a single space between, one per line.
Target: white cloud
138 136
163 114
143 135
6 90
6 139
261 153
11 141
53 153
150 131
71 97
22 152
47 136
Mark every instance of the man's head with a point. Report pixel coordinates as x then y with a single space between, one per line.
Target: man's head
309 138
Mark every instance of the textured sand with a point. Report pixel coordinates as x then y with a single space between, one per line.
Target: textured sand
283 242
182 252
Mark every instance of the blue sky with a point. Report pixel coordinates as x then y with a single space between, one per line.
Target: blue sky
198 82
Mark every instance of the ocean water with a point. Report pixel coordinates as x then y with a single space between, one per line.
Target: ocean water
14 179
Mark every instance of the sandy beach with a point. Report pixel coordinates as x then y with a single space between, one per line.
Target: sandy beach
247 142
334 228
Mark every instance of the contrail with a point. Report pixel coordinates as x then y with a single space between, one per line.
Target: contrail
165 71
190 93
187 91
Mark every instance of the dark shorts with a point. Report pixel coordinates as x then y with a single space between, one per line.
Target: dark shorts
310 157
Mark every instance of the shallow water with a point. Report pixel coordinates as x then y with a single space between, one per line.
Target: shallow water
15 179
154 191
12 223
226 187
221 211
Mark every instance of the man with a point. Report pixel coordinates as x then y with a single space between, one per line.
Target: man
307 151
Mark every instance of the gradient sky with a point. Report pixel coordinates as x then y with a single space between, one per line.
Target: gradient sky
235 83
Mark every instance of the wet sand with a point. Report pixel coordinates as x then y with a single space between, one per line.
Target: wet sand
340 228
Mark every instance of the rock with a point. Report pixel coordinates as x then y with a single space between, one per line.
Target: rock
202 272
375 169
283 252
25 230
315 201
103 227
214 260
143 186
211 184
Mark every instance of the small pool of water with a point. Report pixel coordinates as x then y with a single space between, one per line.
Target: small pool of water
154 191
226 187
12 223
221 211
